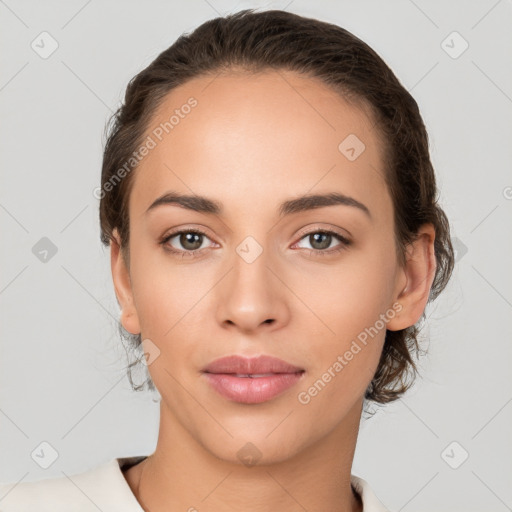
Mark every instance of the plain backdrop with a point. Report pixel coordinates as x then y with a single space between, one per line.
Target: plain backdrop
446 446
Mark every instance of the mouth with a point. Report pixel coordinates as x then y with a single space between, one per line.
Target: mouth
251 380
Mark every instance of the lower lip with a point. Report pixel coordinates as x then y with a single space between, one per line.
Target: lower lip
248 390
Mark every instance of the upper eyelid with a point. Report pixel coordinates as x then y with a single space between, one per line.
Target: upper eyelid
323 230
172 233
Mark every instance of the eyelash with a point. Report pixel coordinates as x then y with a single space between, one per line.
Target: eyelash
345 242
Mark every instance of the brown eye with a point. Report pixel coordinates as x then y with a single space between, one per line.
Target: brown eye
321 242
186 241
190 241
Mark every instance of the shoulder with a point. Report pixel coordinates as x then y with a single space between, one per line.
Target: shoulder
105 488
100 488
370 502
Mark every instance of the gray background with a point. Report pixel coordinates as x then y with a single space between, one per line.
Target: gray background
62 378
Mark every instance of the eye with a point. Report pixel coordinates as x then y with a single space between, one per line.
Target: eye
321 242
188 242
185 243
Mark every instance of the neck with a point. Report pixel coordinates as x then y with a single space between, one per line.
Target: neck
182 475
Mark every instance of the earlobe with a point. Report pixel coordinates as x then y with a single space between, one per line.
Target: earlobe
122 286
419 273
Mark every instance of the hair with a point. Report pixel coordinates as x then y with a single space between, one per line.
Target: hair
277 40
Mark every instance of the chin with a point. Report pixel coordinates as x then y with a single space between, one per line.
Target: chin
256 447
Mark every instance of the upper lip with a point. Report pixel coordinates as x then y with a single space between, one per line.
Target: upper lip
250 366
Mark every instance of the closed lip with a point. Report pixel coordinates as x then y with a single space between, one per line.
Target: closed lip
262 364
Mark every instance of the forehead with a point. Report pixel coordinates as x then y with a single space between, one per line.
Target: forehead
258 136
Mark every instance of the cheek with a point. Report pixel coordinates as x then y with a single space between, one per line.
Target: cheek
350 294
345 356
346 324
166 289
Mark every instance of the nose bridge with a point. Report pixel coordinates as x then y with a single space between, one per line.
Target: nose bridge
251 293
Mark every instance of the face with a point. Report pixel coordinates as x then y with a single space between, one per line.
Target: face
315 287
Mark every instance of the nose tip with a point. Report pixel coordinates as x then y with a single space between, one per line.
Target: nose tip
251 297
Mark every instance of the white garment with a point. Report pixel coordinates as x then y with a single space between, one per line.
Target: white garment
104 488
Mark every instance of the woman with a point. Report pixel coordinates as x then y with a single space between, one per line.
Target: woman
271 209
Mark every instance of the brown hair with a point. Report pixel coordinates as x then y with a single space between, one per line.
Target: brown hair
259 41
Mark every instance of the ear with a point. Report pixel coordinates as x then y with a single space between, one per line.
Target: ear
418 275
122 286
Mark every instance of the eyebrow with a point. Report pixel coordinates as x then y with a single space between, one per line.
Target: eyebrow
203 204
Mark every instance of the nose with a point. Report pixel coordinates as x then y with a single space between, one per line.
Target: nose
252 296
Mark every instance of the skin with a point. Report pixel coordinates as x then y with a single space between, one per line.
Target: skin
252 142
